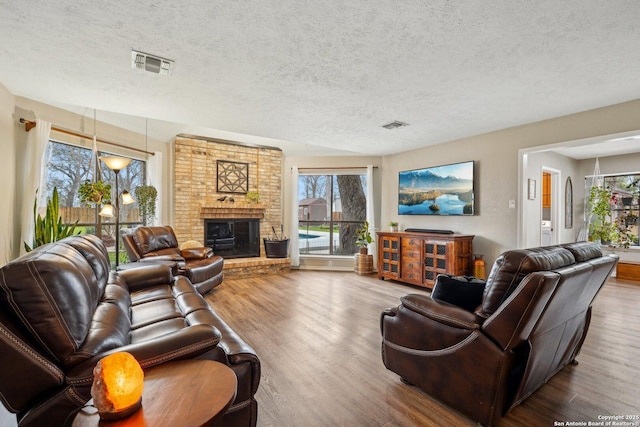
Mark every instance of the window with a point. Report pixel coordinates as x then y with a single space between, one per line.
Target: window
67 167
330 209
623 209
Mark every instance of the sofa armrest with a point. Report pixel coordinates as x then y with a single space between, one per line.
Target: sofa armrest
425 325
154 257
146 275
233 351
441 312
196 253
182 344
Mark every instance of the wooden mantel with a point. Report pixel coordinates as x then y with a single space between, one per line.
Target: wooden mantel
233 210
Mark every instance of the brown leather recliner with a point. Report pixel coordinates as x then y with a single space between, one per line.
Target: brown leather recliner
528 324
62 310
159 243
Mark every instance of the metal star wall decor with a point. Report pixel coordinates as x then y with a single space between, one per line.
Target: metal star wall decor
233 177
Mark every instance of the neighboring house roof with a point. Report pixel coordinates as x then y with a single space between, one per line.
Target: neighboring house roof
312 201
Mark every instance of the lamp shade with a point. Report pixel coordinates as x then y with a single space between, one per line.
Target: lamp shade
115 163
118 382
107 210
127 198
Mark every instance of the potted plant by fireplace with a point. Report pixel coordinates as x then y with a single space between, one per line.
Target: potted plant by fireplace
276 246
252 196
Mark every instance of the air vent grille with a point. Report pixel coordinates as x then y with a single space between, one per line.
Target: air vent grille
395 124
151 63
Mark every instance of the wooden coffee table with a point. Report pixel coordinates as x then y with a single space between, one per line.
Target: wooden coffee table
181 393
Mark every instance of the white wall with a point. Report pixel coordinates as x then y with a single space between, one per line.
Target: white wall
496 156
567 167
497 178
13 141
8 243
611 165
84 124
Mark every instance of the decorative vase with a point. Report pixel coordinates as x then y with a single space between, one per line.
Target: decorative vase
479 267
363 264
276 248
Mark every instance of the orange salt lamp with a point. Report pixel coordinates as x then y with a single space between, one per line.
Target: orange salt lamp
117 387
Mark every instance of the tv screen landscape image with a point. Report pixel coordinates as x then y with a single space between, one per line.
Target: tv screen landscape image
438 190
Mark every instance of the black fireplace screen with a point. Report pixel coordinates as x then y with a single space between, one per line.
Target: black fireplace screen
233 238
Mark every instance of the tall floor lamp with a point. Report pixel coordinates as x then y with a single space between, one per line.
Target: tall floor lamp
116 164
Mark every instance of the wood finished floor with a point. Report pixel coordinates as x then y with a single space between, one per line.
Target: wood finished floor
317 335
318 338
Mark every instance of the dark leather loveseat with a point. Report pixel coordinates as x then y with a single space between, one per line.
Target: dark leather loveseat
528 321
62 310
159 244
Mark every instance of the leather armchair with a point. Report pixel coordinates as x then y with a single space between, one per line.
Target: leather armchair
528 324
159 244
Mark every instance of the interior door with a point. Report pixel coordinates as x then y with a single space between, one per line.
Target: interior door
550 207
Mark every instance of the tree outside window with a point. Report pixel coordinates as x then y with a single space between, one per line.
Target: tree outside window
67 167
330 210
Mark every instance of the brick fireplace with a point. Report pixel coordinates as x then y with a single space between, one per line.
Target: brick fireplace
197 199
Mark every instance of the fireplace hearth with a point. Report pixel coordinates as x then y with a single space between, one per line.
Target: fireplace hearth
233 237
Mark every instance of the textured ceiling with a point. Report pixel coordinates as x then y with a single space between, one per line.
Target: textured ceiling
324 76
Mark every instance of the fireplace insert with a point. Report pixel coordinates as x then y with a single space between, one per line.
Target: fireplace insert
233 237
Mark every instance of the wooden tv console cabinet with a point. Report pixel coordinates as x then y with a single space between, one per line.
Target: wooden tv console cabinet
417 258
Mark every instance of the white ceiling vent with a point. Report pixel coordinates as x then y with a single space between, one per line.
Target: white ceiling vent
151 63
395 124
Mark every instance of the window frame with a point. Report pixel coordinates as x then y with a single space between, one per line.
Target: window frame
332 223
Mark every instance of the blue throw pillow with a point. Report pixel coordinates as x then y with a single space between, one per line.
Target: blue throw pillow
464 291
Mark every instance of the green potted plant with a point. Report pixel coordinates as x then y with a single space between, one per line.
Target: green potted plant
363 237
252 196
94 192
393 226
49 228
601 226
146 196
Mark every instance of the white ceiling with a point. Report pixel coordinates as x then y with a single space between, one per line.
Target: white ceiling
324 76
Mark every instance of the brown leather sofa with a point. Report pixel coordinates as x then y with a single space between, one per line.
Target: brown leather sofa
159 243
528 323
62 310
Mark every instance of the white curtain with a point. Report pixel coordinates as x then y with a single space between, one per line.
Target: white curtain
373 247
294 252
154 177
33 166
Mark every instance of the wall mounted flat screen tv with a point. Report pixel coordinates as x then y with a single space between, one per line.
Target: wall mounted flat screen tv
438 190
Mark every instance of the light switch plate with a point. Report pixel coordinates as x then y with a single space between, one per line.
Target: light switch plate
512 204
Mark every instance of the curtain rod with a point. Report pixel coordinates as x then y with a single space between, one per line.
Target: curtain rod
29 124
337 168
